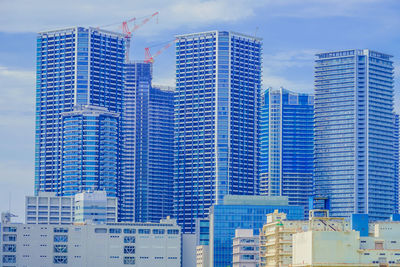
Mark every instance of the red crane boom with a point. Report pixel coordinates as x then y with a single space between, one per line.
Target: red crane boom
128 32
148 58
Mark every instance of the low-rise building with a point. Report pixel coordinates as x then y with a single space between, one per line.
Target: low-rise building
329 242
95 207
245 212
48 208
100 245
245 249
86 207
276 237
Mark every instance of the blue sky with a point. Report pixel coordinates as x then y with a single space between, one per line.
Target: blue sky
292 30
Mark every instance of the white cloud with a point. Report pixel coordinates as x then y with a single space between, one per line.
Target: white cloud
33 16
18 97
277 65
288 59
277 81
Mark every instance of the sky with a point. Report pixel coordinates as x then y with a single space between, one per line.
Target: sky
292 31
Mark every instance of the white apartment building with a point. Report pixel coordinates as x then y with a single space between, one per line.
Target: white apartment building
100 245
245 248
92 207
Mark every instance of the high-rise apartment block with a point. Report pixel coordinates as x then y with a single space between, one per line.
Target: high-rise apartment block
147 165
287 145
89 151
101 125
77 67
218 80
355 135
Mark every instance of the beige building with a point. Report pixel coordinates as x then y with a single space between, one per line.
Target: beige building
245 248
330 242
276 238
202 256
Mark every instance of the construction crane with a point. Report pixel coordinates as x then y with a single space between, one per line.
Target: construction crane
125 24
125 28
148 58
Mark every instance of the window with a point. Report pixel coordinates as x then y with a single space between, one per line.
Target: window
9 229
129 260
129 239
9 259
9 248
173 231
158 231
60 260
144 231
60 238
60 248
129 231
9 237
129 249
60 230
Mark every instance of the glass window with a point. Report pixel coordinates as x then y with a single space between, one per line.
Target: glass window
60 260
60 248
129 231
9 248
129 260
129 249
129 239
60 238
144 231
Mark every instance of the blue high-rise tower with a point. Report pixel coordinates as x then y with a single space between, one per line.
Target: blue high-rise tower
218 80
147 165
79 71
355 153
287 145
90 151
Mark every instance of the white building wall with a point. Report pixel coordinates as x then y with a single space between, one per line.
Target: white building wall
189 250
47 208
94 245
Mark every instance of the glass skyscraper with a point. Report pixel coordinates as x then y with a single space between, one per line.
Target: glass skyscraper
78 70
89 151
147 165
355 146
218 80
242 212
287 145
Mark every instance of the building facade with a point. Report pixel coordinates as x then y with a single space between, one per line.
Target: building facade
287 145
89 151
115 244
218 80
147 165
245 249
243 212
75 67
355 157
276 237
95 207
380 247
48 208
85 207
